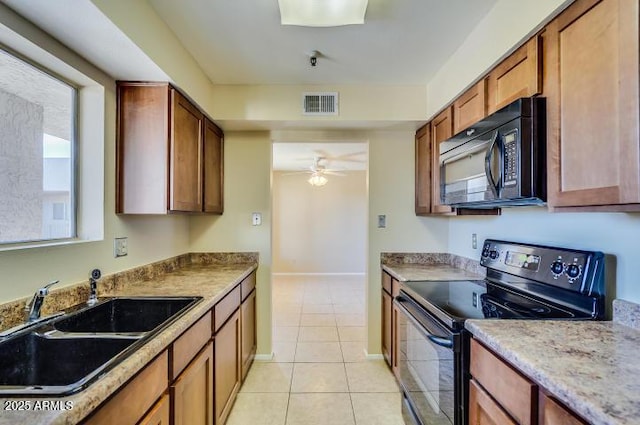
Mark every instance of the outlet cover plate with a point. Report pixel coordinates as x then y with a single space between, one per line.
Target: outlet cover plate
120 247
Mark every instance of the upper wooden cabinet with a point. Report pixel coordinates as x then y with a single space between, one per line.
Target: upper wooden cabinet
423 170
168 155
591 84
519 75
441 129
470 108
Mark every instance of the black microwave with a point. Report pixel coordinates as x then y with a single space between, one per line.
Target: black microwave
498 162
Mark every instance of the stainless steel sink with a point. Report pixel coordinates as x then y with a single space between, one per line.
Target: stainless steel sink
67 353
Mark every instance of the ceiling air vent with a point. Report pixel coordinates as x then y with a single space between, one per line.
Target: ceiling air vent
320 103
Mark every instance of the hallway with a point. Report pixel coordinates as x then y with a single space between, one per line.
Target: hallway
319 374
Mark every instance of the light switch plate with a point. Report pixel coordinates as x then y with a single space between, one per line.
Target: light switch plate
120 247
256 219
382 221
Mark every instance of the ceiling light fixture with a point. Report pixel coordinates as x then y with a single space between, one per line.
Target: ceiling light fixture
322 13
317 179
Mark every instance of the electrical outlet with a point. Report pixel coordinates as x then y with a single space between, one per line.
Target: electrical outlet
382 221
256 219
474 241
120 247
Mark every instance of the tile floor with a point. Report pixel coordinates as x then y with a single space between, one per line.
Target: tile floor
319 374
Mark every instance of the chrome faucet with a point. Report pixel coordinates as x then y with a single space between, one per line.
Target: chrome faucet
93 285
32 309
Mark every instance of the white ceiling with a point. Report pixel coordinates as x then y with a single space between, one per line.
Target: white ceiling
336 156
242 41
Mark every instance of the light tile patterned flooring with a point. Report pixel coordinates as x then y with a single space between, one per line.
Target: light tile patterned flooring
319 374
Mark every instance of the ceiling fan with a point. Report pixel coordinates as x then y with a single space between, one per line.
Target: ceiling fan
318 172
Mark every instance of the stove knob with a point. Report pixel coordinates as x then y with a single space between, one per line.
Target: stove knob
493 254
557 267
573 271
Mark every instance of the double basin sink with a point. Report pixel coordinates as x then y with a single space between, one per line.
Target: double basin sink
67 353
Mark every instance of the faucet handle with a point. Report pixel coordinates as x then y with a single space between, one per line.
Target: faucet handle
45 289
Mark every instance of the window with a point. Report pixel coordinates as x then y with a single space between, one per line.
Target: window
37 146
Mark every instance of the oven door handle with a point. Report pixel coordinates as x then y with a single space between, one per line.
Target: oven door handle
442 341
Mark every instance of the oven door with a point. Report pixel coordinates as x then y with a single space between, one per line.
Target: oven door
428 361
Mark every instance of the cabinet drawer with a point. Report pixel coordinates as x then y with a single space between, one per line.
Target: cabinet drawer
516 394
483 409
189 344
247 285
395 288
386 282
553 413
226 307
159 415
137 397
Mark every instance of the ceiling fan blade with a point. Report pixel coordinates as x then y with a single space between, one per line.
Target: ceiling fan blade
297 172
334 173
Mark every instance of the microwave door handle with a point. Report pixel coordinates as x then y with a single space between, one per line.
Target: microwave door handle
487 165
461 154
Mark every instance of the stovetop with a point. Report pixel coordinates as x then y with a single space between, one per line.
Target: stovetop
523 282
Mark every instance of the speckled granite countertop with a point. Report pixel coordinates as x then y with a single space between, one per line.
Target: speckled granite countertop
430 266
592 367
211 281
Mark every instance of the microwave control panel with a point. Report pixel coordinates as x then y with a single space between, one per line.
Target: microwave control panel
510 142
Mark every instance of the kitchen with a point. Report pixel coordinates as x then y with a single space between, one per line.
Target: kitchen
247 168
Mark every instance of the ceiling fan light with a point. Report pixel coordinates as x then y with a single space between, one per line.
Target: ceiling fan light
322 13
317 180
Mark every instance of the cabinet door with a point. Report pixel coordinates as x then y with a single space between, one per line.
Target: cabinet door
591 85
423 170
248 321
470 107
396 335
552 413
159 414
213 168
483 410
185 179
441 129
192 392
519 75
386 327
227 367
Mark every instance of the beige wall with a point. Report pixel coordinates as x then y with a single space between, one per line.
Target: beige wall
319 229
150 238
247 189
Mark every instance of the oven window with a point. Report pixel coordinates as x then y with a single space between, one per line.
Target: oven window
427 374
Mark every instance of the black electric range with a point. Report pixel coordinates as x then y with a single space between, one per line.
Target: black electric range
523 281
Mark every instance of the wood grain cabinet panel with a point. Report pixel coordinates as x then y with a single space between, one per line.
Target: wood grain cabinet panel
470 107
169 158
213 171
159 414
553 413
519 75
386 326
227 367
441 129
483 410
193 391
249 335
189 344
591 84
515 393
423 170
131 403
225 308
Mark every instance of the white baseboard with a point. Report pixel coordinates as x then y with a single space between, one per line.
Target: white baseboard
318 274
263 357
373 356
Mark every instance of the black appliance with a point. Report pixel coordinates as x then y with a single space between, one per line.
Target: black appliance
499 161
523 282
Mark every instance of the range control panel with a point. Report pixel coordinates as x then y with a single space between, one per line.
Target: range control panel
575 270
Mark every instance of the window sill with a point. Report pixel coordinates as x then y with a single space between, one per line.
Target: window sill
45 244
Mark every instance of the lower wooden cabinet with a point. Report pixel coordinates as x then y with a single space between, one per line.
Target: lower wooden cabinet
227 369
386 326
131 403
500 394
249 337
159 414
192 392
